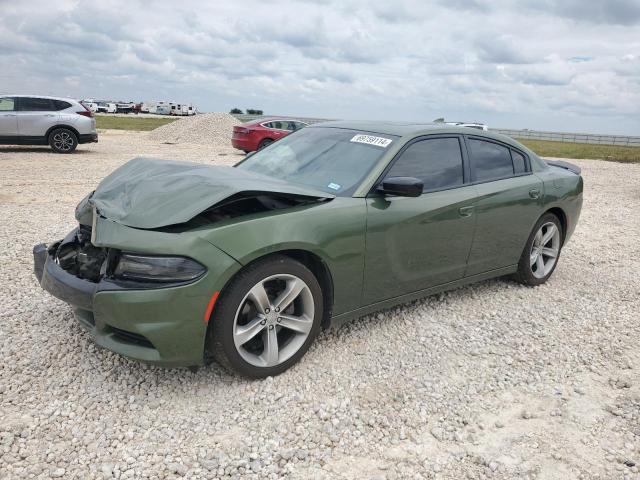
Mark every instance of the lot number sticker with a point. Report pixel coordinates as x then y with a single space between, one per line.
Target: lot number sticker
371 140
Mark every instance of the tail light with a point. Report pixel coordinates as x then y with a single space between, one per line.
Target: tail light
86 112
241 130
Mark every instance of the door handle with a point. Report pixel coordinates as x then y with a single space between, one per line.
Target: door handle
534 193
466 211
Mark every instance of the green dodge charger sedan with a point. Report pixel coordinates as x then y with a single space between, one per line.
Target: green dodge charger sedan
177 263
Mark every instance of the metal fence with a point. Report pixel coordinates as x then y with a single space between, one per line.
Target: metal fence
592 138
620 140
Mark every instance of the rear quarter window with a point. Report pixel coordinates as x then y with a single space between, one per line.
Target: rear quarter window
61 104
519 162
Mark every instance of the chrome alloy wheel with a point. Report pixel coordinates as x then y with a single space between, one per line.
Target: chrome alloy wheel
63 141
273 320
544 250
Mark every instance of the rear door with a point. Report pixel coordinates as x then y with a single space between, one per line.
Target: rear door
36 116
8 117
278 128
413 243
509 203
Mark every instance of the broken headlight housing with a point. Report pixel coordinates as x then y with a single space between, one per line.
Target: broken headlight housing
148 268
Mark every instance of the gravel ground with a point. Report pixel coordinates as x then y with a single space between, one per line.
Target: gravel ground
493 380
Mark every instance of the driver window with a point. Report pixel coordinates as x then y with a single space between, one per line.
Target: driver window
437 162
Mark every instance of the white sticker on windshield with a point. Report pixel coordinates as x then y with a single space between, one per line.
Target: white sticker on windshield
333 186
371 140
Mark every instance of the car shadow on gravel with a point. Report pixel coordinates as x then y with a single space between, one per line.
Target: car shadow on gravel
42 149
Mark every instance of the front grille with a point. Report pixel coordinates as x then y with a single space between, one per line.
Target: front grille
131 337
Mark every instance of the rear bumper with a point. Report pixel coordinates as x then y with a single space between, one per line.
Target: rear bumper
88 138
161 326
244 144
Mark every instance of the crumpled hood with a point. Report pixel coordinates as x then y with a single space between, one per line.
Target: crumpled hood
149 193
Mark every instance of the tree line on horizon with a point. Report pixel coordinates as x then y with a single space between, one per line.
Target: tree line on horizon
250 111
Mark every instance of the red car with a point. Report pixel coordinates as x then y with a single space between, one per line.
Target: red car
257 134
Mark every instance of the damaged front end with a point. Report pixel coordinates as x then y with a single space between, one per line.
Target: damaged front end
142 294
76 255
141 268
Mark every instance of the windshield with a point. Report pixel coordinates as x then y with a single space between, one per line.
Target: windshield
334 160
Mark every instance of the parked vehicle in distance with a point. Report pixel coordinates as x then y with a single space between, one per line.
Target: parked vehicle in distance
257 134
104 107
477 126
91 106
162 109
62 123
179 263
125 107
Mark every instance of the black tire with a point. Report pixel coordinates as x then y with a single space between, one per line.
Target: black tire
63 140
220 341
525 273
265 143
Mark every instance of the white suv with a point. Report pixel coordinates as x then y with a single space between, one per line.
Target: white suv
33 120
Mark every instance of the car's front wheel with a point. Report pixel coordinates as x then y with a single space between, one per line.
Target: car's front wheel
266 318
541 252
63 140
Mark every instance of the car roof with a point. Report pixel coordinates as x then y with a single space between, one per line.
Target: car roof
38 96
414 129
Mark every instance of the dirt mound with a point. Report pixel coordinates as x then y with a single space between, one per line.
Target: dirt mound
204 129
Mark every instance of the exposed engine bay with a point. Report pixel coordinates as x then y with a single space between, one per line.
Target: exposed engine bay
76 255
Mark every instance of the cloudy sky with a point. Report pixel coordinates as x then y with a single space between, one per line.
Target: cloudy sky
571 65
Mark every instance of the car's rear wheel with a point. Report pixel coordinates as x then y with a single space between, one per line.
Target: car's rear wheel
266 318
265 143
63 140
540 256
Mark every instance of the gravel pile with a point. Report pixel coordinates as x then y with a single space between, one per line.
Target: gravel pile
494 380
202 129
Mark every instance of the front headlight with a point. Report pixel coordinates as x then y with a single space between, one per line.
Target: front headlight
147 268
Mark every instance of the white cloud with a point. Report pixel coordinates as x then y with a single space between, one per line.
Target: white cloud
545 64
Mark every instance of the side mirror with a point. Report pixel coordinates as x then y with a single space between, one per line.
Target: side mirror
402 186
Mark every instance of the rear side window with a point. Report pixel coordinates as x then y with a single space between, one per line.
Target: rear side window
519 163
491 161
28 104
7 104
437 162
61 104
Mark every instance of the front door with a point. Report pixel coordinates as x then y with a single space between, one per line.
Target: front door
8 117
413 243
